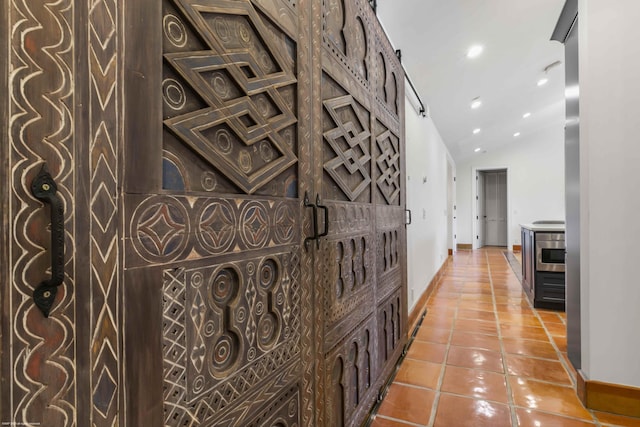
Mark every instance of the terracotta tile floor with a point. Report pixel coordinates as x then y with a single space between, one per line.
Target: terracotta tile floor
484 357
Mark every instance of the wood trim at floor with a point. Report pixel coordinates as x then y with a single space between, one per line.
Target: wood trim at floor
419 306
464 246
517 248
615 398
450 252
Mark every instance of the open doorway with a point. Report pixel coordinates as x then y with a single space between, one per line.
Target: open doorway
491 208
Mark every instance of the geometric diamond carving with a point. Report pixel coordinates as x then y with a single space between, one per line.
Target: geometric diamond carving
350 142
239 131
162 228
104 392
102 22
104 213
389 164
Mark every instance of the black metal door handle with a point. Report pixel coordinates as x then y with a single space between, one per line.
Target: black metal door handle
326 218
45 189
315 221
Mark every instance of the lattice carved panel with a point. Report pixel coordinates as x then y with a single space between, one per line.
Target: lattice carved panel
166 229
228 329
347 146
387 157
229 95
351 372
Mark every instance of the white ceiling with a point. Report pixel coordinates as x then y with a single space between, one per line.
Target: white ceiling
434 36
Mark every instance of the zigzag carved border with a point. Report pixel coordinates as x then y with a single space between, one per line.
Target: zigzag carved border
104 250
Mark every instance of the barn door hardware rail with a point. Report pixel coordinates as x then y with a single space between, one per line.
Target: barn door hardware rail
45 189
423 110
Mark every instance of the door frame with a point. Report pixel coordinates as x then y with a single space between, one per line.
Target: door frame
451 206
474 205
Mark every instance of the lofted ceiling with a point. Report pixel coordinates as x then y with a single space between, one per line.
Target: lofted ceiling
434 37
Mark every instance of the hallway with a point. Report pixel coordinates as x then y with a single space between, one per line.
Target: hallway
484 357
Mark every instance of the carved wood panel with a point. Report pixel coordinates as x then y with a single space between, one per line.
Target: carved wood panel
230 331
217 240
360 178
182 167
63 111
229 92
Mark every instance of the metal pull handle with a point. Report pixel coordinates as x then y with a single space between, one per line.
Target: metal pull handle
315 221
326 219
45 189
407 211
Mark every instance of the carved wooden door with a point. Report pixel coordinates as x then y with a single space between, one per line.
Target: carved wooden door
215 173
359 175
182 137
177 134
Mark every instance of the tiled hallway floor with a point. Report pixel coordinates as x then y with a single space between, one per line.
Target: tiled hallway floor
484 357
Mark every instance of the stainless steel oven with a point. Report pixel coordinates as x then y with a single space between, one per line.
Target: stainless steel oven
550 251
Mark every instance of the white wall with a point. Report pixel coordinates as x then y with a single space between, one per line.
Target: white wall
427 157
610 189
535 181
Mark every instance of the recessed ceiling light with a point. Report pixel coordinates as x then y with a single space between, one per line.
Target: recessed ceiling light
517 134
477 149
543 81
476 103
476 131
474 51
525 115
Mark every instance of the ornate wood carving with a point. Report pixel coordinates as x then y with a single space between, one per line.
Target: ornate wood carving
362 184
49 124
308 46
171 228
196 291
387 158
350 381
347 154
104 325
230 331
224 230
229 97
39 357
391 328
348 285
